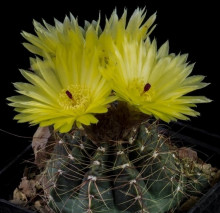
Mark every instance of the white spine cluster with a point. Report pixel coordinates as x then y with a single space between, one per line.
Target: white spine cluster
142 148
60 141
96 162
91 177
138 197
124 165
70 157
101 149
147 131
120 153
131 140
60 172
132 182
155 154
82 146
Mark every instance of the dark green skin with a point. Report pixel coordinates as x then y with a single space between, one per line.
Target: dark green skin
144 175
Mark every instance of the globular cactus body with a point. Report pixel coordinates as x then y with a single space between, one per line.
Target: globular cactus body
109 82
141 174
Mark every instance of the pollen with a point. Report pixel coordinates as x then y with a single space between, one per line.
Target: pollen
74 97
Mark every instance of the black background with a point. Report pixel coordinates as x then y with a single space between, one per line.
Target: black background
190 28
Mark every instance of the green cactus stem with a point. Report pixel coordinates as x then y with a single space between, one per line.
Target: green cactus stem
143 173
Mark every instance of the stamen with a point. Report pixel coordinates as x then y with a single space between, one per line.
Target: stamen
147 87
69 94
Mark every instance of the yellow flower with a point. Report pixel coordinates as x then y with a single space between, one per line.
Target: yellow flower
135 29
153 81
66 87
49 37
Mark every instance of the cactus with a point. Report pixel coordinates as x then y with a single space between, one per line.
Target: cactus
98 89
141 174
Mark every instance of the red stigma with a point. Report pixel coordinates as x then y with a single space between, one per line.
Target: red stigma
69 94
147 87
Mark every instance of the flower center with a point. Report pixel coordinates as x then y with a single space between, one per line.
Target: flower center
140 88
147 92
74 97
